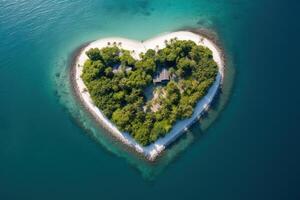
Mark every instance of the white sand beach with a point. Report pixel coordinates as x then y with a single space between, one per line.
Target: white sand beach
152 151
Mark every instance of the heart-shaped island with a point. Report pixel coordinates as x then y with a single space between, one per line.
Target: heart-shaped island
148 93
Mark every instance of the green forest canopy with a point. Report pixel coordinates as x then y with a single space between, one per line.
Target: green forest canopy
119 94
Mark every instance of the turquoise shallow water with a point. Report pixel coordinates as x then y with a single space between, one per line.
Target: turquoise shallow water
245 149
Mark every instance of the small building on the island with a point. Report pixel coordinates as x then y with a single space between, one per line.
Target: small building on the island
163 76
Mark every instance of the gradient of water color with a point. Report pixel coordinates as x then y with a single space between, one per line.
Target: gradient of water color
248 150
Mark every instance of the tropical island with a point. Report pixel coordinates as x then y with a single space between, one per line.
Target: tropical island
143 92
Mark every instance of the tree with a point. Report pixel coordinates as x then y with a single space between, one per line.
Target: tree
109 72
185 67
122 118
160 128
150 53
196 53
94 54
173 93
92 70
142 135
147 65
110 55
138 79
126 59
185 108
119 97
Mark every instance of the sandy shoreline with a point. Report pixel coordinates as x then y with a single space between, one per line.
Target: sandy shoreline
152 151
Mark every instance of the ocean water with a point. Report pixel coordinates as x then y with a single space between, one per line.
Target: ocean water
246 148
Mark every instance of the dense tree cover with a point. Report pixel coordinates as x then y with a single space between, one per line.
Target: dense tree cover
120 93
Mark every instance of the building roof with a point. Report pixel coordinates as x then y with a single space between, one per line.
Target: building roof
161 76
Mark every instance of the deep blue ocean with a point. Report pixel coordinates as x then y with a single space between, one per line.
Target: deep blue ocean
246 148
